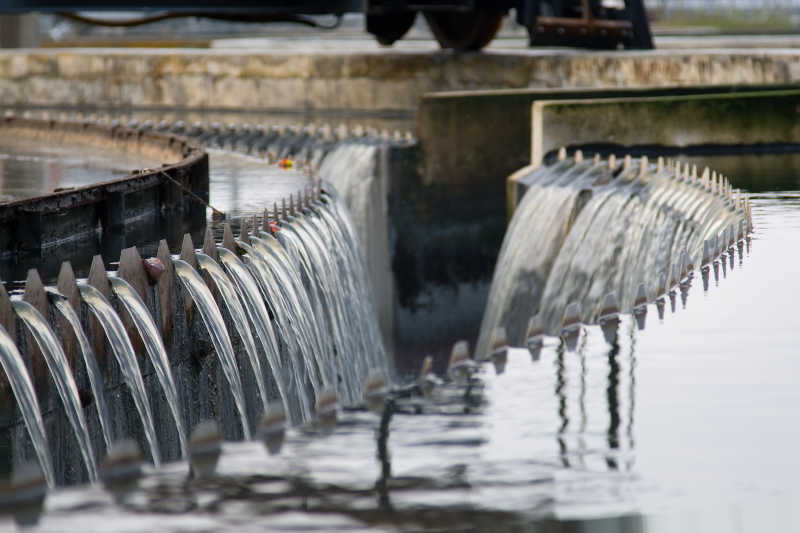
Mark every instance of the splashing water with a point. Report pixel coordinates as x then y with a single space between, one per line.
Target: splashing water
92 370
215 325
231 299
57 363
24 393
154 347
247 289
126 358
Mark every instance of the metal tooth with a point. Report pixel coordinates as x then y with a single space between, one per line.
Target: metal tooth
535 327
641 296
610 307
693 177
677 175
596 158
284 212
627 162
291 204
686 173
662 285
660 165
571 317
562 154
704 177
643 164
205 445
612 162
578 156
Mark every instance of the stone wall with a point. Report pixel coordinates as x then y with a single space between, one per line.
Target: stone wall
352 81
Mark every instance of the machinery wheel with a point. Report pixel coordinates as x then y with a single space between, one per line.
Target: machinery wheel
388 28
471 30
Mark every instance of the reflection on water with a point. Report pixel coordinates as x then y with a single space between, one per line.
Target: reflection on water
29 169
239 186
687 425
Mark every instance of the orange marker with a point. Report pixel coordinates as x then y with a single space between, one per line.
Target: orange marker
285 163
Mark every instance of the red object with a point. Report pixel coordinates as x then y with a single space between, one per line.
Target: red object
273 226
285 163
154 268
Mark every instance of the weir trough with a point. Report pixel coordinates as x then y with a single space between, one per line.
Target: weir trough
99 216
691 123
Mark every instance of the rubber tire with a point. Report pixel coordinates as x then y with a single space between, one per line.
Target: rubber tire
471 30
390 27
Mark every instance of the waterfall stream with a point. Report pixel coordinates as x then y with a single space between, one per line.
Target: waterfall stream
584 230
126 358
25 394
248 292
288 316
215 325
231 299
57 364
92 370
154 347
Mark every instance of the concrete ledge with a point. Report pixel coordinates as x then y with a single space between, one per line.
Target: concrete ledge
712 122
478 136
316 79
683 121
75 214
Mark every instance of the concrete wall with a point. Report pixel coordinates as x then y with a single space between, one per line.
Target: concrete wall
717 122
42 231
479 136
324 80
733 120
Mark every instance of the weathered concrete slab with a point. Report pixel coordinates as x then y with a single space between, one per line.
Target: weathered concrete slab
755 118
347 80
478 136
714 122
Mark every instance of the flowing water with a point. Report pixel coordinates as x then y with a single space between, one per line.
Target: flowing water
30 169
335 222
234 306
290 319
25 396
154 346
686 425
92 370
215 325
59 368
597 233
126 359
248 292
